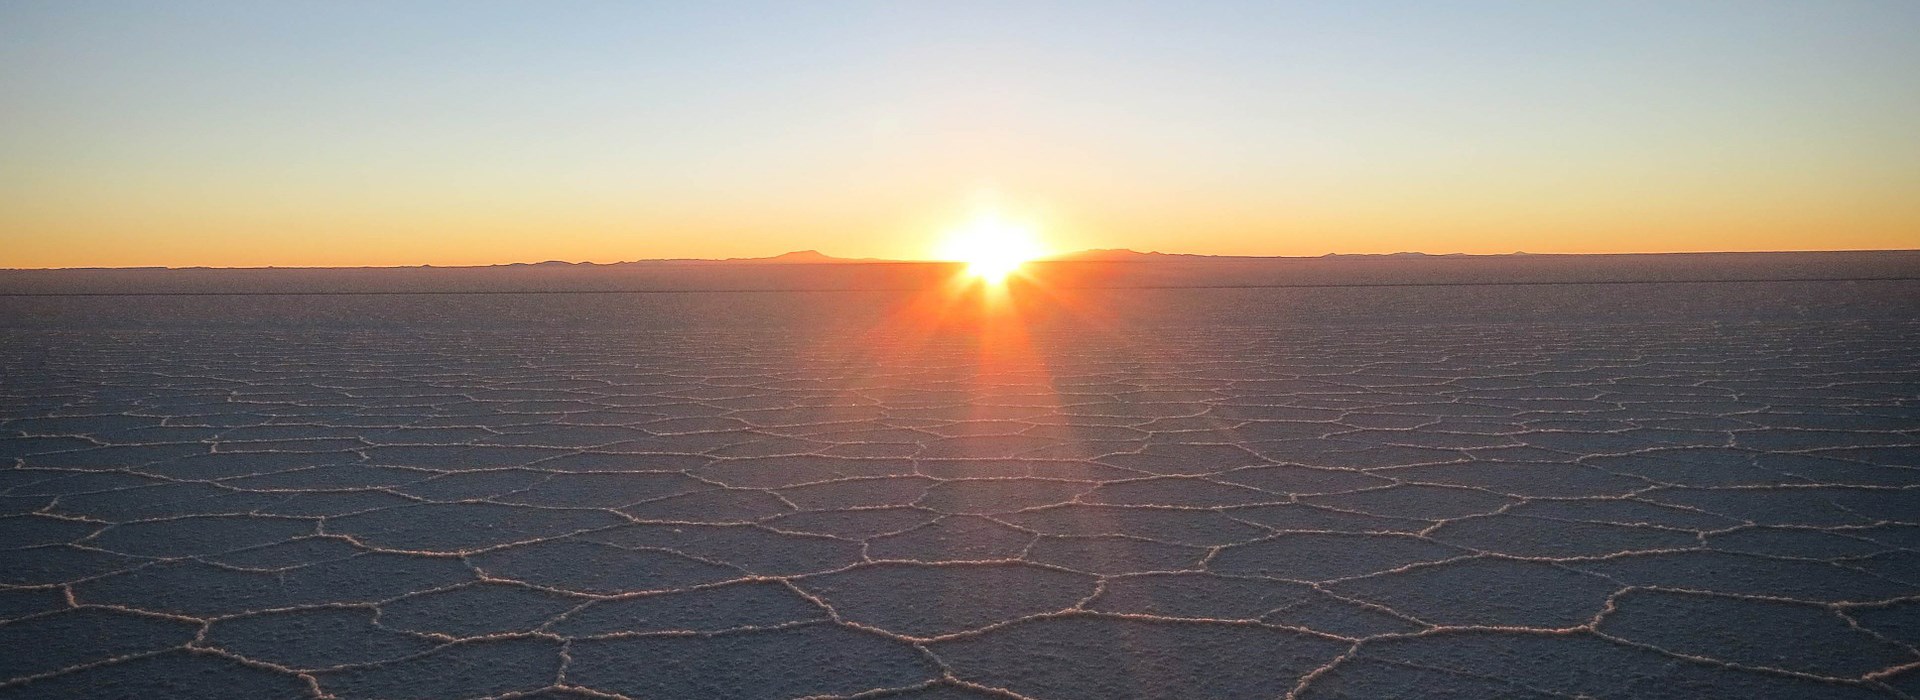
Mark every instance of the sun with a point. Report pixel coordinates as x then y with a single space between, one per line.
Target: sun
992 247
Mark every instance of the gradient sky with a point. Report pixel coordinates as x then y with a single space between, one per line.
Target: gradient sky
343 132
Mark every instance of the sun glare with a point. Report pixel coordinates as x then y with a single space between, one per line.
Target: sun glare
992 247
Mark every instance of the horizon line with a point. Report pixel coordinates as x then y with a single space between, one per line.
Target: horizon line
752 290
814 257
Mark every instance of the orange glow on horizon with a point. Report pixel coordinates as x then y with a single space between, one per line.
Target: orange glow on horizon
992 247
141 136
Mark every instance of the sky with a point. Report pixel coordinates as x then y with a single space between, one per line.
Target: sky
353 132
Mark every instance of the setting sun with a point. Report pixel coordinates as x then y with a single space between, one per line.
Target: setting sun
992 247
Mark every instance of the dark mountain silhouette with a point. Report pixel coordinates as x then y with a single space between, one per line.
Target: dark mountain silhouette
801 257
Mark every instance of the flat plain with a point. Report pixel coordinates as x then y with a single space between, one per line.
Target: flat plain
1624 491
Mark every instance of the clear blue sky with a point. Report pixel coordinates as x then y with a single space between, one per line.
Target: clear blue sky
348 132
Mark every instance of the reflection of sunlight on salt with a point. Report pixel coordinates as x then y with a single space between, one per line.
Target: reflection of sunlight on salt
976 350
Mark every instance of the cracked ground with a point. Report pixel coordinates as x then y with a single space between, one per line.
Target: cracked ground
1668 508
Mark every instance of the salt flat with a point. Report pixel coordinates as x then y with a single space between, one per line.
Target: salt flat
1629 491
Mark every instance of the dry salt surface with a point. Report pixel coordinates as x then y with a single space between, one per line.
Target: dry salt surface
1615 492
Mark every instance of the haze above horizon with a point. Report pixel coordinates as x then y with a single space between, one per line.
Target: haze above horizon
349 133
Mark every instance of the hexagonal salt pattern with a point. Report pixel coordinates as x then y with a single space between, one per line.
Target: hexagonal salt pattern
1662 510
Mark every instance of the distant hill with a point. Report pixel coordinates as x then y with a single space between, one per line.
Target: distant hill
800 257
1123 255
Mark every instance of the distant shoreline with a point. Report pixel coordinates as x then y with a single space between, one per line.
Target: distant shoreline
810 257
1131 271
1782 280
